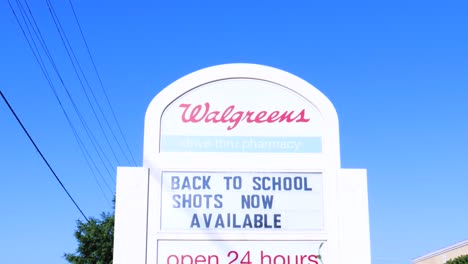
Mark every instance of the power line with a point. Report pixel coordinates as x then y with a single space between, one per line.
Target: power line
97 147
42 156
101 83
34 48
78 69
47 63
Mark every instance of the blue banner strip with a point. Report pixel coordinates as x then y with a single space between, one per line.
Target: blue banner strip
241 144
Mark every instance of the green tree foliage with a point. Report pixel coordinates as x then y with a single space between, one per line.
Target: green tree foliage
95 241
463 259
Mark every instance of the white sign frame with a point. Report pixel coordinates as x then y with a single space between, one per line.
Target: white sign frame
344 234
327 162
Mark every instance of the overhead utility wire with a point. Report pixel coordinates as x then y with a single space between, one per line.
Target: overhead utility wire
89 160
94 142
76 66
42 156
89 133
39 60
100 81
97 147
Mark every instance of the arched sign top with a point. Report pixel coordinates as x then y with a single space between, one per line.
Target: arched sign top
241 108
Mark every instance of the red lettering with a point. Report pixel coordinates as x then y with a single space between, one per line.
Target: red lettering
248 115
176 260
236 256
287 259
313 259
273 117
188 259
212 117
200 259
194 113
286 116
196 110
202 113
226 114
235 118
265 258
276 261
260 115
184 114
302 118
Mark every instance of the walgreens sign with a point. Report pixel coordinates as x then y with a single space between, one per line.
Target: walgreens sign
241 115
232 117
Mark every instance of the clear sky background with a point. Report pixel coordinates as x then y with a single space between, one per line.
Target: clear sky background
396 72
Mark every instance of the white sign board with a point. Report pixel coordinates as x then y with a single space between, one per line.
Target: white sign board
242 167
241 202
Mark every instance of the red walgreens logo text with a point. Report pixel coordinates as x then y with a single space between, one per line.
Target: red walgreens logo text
203 113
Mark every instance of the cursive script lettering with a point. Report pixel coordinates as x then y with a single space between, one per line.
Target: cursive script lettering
203 113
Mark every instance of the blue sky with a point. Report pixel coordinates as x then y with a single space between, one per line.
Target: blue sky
396 72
